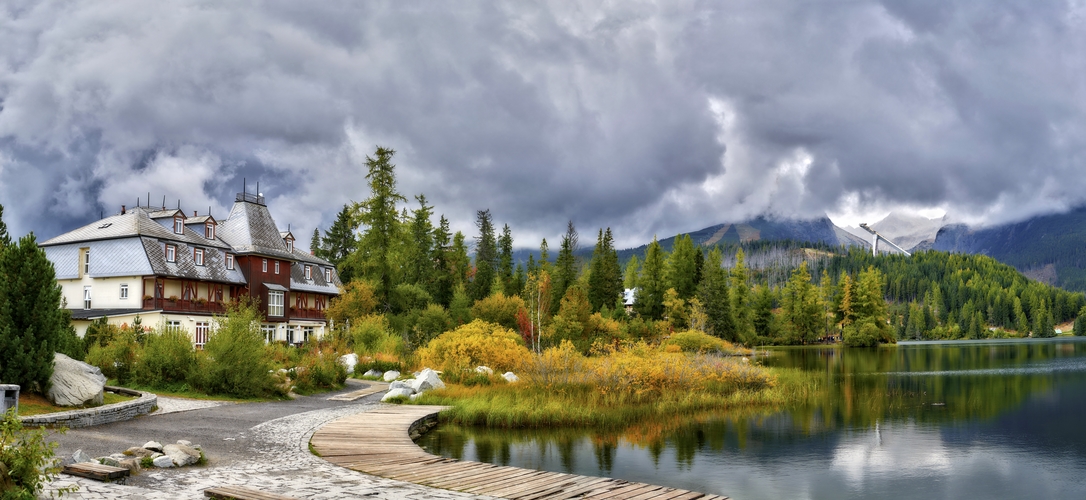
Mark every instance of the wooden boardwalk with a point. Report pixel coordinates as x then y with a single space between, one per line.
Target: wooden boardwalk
378 443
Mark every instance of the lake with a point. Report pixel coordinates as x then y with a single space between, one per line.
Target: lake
976 419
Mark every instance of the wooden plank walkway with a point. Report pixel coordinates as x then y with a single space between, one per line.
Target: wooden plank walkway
377 442
371 388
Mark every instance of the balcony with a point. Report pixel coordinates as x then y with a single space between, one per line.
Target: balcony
185 306
297 313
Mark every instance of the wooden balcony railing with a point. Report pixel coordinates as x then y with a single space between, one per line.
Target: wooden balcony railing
194 306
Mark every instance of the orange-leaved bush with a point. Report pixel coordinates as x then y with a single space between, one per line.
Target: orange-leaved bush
478 343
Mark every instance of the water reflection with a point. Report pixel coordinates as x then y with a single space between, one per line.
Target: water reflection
998 419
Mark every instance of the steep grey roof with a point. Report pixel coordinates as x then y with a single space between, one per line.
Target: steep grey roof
136 222
199 220
250 229
109 258
98 313
316 283
214 268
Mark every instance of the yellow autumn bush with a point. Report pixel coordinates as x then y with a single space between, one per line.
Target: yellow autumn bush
698 341
474 344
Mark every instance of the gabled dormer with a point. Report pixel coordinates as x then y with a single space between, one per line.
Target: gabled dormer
172 219
203 224
288 239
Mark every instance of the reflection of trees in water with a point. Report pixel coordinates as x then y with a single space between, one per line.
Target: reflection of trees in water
853 388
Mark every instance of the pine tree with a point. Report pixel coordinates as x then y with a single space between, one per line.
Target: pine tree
801 307
715 298
1080 323
762 312
459 262
338 242
443 279
486 257
5 239
31 321
382 220
315 241
740 296
649 300
565 267
682 267
604 279
505 263
629 278
419 263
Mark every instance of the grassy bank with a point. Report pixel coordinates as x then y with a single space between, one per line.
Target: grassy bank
33 404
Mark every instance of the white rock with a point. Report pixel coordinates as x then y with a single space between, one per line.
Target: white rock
153 446
391 375
184 442
372 373
164 462
398 384
349 361
426 379
181 455
511 377
414 396
80 457
397 393
484 369
75 383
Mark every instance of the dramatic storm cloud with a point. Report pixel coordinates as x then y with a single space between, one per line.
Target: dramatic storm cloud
646 117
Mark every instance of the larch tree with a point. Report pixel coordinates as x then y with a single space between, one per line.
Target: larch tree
381 219
629 277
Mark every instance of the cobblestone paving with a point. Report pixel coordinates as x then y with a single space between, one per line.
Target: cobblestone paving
173 405
281 463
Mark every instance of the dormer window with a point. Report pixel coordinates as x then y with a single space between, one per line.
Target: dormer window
328 274
198 256
209 231
290 245
230 261
171 253
179 225
308 272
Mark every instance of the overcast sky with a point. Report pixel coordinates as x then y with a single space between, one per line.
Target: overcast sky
650 118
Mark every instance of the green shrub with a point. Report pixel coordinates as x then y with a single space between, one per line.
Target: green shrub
27 460
498 309
378 363
118 358
167 358
431 322
318 371
697 341
235 361
369 332
862 334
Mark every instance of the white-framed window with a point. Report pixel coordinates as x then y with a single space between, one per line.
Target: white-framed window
230 261
328 274
86 262
290 334
124 290
307 333
179 225
173 324
198 256
276 267
308 272
275 303
202 330
171 253
209 231
86 297
264 265
268 330
290 245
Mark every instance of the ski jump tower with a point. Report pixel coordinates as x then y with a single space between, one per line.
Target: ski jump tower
875 237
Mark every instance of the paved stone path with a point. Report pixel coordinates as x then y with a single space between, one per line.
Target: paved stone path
278 461
174 405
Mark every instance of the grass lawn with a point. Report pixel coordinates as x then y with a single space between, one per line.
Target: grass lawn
182 391
33 404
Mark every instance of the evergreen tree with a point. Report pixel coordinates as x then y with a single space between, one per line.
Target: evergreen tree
565 267
382 220
459 261
762 312
682 267
1080 323
315 241
419 264
604 279
629 278
649 300
801 308
443 279
505 263
739 287
486 257
31 320
544 256
5 239
338 242
1042 322
714 297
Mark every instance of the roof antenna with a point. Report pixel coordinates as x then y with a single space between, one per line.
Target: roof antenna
164 202
243 190
148 199
209 210
179 204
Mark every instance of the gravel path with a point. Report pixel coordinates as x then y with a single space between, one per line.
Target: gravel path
270 453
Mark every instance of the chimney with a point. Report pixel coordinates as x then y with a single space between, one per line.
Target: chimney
122 209
195 213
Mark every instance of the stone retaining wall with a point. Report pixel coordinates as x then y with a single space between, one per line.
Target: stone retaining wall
86 417
422 426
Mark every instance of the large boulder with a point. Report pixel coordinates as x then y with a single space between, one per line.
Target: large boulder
426 379
75 383
182 455
397 393
349 361
164 462
510 377
391 375
484 369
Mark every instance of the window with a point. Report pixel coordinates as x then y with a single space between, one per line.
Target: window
86 262
209 231
179 225
264 265
328 274
290 334
275 303
173 324
290 245
307 333
198 256
202 329
276 267
268 331
230 261
124 290
308 273
86 297
171 253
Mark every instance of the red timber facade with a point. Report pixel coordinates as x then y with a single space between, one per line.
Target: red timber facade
178 271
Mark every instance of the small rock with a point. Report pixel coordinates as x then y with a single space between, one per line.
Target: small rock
164 462
510 377
155 455
414 396
184 442
181 455
153 446
108 461
484 369
132 464
391 375
372 373
396 393
397 384
80 457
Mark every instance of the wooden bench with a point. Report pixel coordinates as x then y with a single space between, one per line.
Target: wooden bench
92 470
240 493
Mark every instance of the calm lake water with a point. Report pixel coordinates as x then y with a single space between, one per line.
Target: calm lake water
983 419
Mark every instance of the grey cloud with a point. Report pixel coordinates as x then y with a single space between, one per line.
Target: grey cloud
543 112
